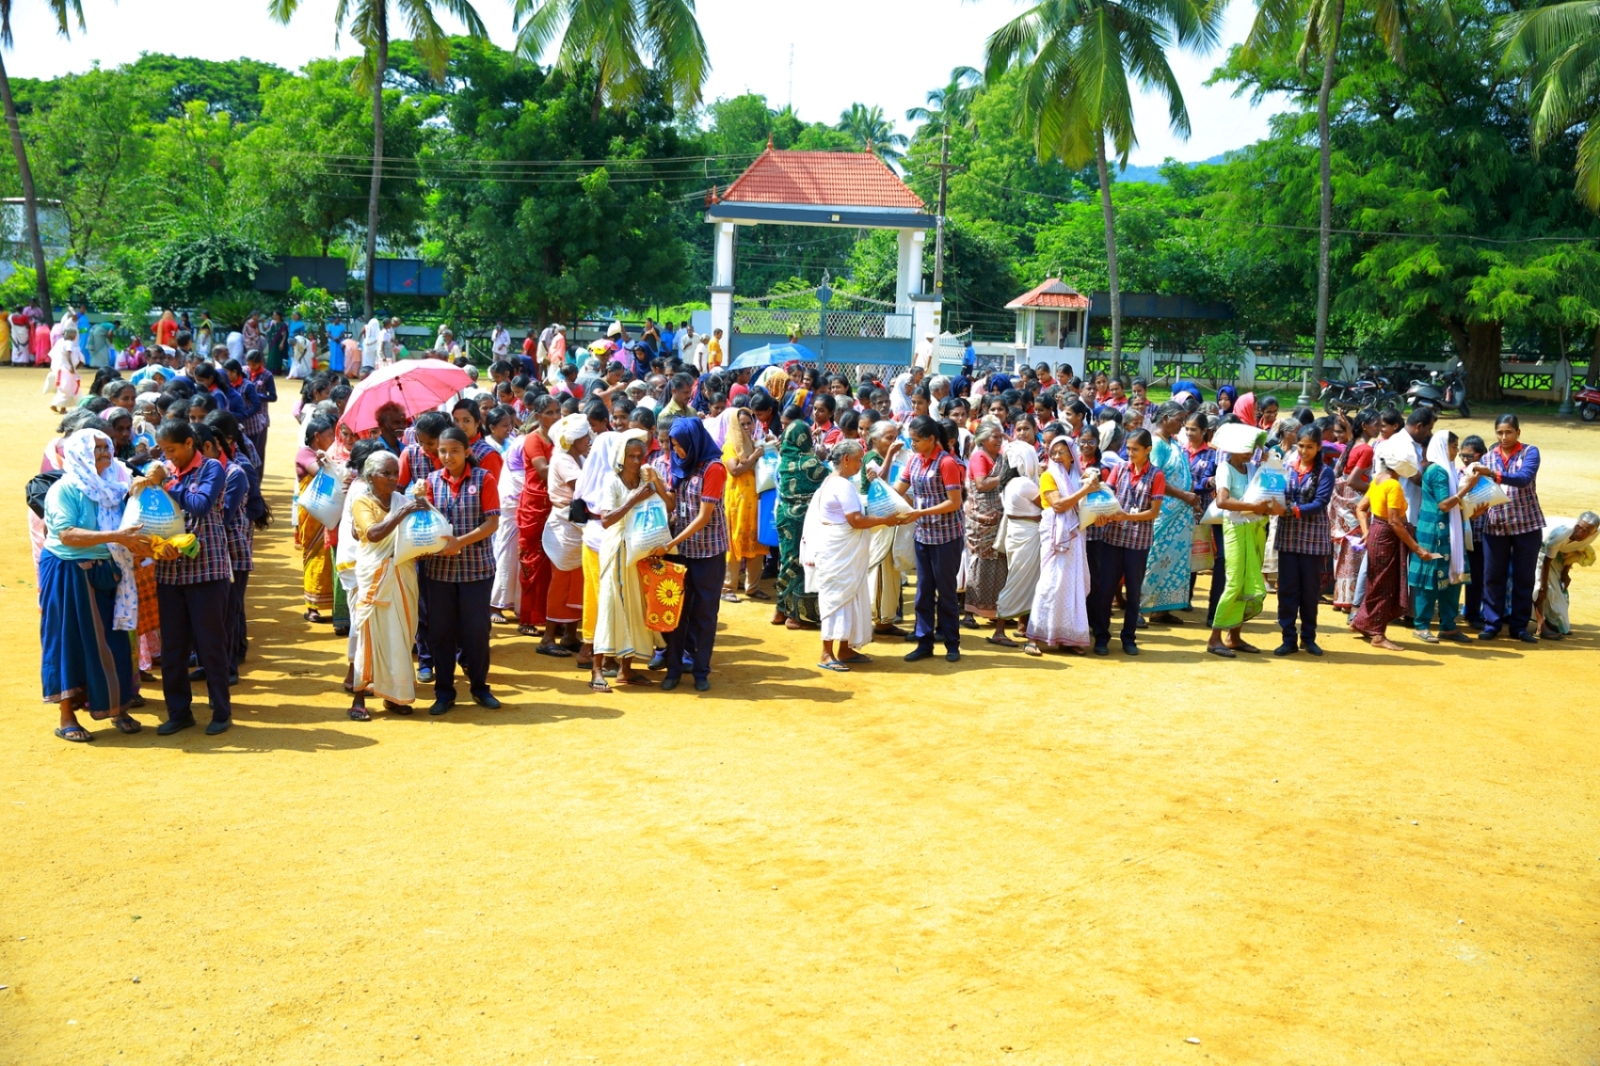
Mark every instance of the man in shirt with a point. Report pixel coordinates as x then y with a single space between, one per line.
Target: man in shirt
1419 427
682 388
714 349
371 345
500 342
235 344
924 356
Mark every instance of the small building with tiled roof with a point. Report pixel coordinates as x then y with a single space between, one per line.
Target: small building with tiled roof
844 190
1052 324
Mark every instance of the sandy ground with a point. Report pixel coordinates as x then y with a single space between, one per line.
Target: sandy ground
1369 859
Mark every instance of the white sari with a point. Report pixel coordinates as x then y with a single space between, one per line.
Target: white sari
619 628
63 377
383 618
507 592
1018 536
835 557
1060 605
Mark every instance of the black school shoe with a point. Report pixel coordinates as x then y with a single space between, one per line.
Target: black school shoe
1286 649
1130 648
173 725
441 705
218 725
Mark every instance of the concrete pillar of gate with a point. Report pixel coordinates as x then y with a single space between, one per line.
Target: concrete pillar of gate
722 287
908 279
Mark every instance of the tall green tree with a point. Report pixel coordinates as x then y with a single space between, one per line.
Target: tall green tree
871 131
1556 49
1318 25
62 11
634 46
949 107
369 24
1079 61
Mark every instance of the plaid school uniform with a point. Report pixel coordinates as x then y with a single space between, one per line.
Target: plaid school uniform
712 540
1308 534
463 506
241 538
418 464
1523 514
930 486
209 528
1135 494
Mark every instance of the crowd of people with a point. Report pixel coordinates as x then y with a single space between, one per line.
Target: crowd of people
607 501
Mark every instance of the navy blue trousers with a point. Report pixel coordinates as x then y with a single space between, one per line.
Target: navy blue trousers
1299 589
458 621
195 616
697 626
938 602
1509 560
1124 566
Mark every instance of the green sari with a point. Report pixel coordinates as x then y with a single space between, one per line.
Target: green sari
800 474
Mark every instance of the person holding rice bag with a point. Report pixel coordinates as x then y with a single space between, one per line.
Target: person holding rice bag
1382 513
1140 489
1513 533
1244 538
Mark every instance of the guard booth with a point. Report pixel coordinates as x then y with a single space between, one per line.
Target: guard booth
1052 325
839 190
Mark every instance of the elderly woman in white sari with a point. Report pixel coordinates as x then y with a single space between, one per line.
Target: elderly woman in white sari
620 632
1059 617
836 554
1567 543
383 610
1018 539
563 540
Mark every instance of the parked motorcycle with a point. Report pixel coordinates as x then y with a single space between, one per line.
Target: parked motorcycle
1586 398
1348 397
1441 392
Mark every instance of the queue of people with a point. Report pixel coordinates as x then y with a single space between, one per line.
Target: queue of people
610 516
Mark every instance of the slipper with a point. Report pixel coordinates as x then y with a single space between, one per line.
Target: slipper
728 597
500 620
856 657
528 631
836 667
396 708
1002 642
792 623
635 681
554 650
1221 649
1426 637
75 733
359 714
968 623
599 685
1031 649
757 594
126 724
1248 649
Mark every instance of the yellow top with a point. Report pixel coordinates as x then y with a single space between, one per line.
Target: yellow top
1046 484
1386 496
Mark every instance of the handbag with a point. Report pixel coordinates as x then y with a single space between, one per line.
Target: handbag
663 586
578 513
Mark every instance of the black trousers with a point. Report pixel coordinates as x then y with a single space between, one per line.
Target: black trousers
424 651
1117 565
195 616
697 626
1299 588
238 639
458 621
1472 595
1219 577
938 604
1509 559
260 441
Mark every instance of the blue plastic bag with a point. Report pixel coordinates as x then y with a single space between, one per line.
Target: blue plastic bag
767 518
647 529
323 499
1097 504
421 533
882 501
155 511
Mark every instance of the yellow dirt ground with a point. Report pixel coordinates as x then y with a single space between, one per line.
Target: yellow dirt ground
1367 859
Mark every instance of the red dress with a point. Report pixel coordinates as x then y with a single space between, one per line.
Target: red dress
533 509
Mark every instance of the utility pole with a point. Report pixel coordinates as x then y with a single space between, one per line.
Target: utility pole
938 240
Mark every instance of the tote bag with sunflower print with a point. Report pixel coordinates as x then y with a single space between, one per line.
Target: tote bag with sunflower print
663 593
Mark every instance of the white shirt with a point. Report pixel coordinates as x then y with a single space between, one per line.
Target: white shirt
235 346
502 343
924 357
838 498
371 342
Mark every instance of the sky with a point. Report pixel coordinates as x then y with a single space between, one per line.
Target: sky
886 52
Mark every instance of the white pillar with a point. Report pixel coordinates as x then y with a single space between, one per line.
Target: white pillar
722 287
908 279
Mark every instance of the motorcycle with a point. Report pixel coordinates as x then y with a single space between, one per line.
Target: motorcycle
1441 392
1348 397
1586 398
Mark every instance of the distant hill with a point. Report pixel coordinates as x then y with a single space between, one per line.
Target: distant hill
1153 174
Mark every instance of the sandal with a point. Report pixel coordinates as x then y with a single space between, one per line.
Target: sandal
1248 649
1426 637
75 733
1002 642
528 631
643 681
757 594
125 723
359 714
729 597
1031 649
1222 650
498 619
599 685
313 617
835 665
396 708
555 650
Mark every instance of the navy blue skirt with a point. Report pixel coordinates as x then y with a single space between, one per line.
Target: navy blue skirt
84 660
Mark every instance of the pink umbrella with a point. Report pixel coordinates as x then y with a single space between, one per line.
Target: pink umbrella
418 386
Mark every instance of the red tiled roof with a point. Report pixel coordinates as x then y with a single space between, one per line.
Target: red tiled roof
834 179
1052 293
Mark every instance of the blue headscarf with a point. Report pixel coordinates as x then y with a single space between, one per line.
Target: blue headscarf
689 433
700 399
1230 392
999 383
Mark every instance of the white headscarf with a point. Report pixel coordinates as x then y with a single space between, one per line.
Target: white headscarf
1439 454
1023 458
570 430
109 490
597 467
1398 455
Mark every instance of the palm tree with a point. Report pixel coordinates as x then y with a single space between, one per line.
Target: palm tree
61 9
872 130
369 25
949 108
624 41
1276 25
1075 59
1557 48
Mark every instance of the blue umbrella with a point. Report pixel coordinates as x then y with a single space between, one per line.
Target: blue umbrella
773 355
